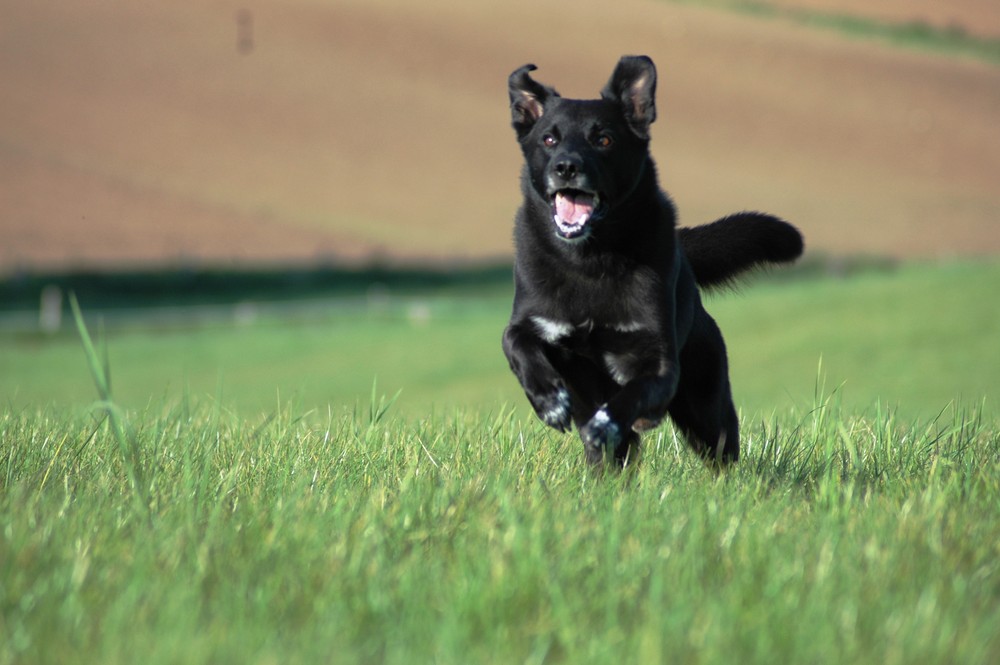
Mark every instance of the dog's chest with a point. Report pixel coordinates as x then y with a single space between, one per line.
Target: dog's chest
622 349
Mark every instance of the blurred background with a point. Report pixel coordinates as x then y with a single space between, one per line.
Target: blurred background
249 153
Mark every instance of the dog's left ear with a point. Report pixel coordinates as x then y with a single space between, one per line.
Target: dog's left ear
633 85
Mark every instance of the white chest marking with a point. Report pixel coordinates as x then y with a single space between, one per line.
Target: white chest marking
551 331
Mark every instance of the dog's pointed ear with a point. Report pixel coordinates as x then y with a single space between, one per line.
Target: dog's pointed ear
633 85
527 99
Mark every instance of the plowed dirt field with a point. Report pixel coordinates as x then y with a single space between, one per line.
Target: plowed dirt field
215 132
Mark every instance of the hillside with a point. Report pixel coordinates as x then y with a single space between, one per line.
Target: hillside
195 132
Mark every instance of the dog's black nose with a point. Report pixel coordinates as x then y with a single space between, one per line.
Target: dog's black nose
567 169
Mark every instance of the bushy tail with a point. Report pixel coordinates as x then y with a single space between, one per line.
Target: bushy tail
719 252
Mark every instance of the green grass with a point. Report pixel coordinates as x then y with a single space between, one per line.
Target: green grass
913 338
481 537
241 494
917 35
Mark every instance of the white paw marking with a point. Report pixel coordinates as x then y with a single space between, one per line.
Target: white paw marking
602 422
558 413
601 417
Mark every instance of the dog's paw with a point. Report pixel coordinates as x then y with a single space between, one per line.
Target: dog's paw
645 424
554 409
601 435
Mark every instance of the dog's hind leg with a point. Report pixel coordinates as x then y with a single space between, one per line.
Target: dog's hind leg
702 408
711 430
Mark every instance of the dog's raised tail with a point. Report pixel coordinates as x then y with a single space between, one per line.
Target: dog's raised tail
721 251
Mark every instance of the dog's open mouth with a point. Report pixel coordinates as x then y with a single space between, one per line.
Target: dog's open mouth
572 210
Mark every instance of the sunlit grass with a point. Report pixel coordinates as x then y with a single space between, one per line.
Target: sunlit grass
481 537
186 531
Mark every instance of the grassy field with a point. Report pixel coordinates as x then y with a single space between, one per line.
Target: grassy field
221 517
360 480
482 538
913 338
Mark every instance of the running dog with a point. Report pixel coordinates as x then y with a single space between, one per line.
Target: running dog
608 332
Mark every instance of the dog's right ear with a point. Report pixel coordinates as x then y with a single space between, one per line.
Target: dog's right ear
527 99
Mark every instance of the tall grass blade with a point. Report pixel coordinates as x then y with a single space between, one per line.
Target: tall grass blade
378 405
127 446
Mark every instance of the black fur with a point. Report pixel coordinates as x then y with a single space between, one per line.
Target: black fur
608 332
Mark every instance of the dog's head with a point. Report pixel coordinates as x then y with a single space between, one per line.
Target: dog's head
584 157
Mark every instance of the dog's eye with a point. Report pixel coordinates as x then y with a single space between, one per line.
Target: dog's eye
603 141
550 141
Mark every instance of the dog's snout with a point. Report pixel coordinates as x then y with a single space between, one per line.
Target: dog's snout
567 170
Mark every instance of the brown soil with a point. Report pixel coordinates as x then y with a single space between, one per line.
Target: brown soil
149 133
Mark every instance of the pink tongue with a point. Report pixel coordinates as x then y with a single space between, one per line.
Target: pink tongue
574 207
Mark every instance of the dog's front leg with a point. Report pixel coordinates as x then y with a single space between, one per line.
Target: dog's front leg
644 398
545 388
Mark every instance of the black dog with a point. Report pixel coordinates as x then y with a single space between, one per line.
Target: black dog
608 330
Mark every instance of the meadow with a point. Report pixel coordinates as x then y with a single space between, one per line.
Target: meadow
359 479
913 337
365 485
